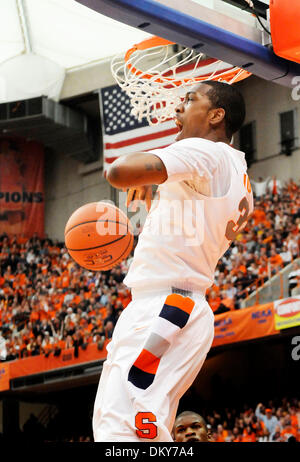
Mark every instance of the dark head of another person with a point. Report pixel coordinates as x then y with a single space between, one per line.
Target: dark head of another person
190 427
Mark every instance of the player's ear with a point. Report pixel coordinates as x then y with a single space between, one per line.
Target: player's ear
216 116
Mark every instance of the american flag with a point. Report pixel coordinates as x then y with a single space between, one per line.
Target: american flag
123 133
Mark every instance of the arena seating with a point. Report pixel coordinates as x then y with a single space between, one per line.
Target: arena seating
251 423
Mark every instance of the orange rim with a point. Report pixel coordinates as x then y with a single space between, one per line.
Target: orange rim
153 42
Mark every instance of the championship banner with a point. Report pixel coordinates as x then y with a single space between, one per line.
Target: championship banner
245 324
287 313
4 376
21 187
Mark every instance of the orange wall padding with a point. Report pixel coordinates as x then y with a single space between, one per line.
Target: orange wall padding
38 364
245 324
4 376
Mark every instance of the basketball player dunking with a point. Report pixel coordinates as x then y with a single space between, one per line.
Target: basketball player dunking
163 336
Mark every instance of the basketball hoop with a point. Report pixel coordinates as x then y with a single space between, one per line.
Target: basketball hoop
155 75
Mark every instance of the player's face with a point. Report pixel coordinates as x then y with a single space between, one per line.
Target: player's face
190 428
194 115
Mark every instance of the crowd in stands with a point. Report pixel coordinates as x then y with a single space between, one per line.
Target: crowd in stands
270 423
49 303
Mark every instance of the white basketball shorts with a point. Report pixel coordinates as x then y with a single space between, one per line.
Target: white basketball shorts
158 347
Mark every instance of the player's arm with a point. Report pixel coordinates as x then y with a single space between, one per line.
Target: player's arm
136 169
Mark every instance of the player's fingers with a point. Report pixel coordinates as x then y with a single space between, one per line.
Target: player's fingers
148 198
141 193
132 201
130 196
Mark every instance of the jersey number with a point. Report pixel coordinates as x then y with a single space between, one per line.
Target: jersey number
247 183
232 228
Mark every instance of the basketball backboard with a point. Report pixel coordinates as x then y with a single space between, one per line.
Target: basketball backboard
223 29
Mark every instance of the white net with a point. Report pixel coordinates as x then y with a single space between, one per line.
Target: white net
156 79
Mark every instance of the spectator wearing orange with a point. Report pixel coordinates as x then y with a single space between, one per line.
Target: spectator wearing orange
258 427
8 276
275 263
288 430
222 433
214 300
35 313
275 259
226 303
47 344
258 215
263 268
237 435
248 435
59 345
294 418
65 279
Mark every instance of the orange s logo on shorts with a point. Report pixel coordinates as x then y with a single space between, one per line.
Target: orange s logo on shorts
146 429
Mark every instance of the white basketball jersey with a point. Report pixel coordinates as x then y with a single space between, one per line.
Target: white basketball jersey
195 215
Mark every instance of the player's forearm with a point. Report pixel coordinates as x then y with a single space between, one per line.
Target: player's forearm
137 169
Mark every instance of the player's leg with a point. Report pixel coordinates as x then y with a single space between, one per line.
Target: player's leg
112 411
159 379
126 408
112 418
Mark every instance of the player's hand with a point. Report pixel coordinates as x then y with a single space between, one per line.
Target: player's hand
141 193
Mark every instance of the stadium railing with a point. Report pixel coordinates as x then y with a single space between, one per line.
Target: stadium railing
276 288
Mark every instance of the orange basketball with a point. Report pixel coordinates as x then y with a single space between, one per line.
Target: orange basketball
98 236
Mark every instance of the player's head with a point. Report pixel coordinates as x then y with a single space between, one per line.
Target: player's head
190 426
213 110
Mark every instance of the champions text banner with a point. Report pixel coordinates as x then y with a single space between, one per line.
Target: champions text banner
21 187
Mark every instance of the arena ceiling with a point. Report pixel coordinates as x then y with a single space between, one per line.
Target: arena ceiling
56 48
